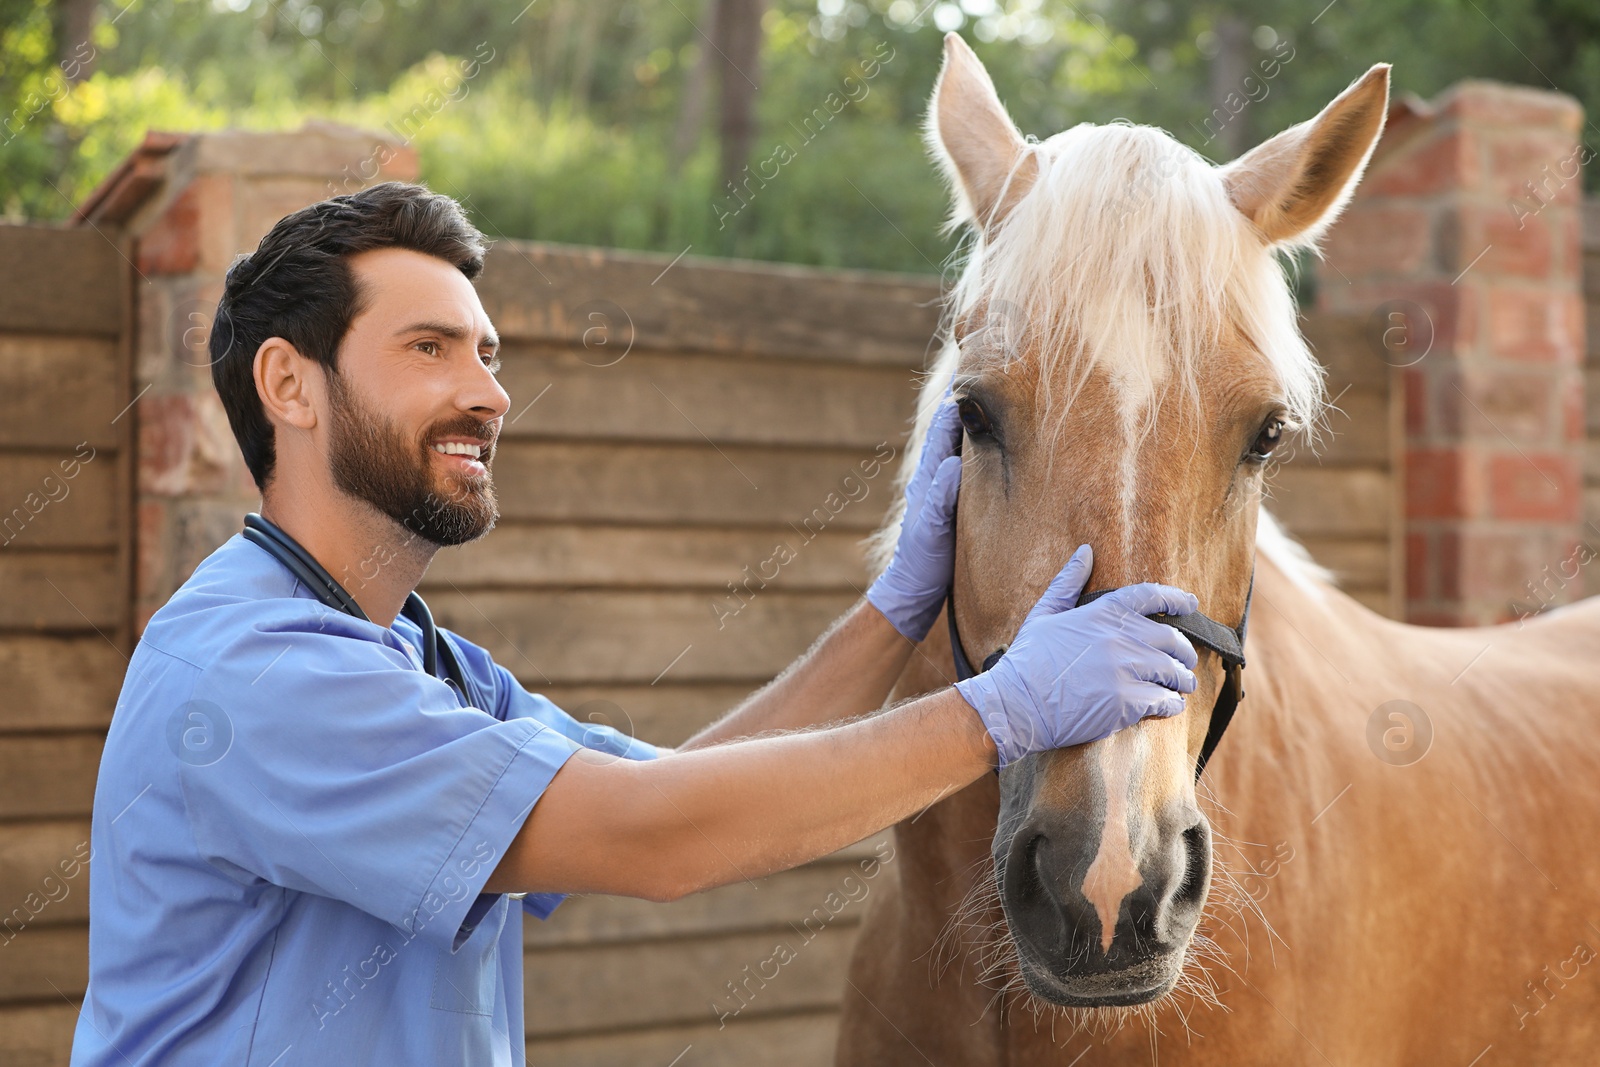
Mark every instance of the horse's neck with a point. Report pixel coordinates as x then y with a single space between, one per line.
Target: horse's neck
1306 640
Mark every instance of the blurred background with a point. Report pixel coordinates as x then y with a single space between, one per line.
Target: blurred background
621 122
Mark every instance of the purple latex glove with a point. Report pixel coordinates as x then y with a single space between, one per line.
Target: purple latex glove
912 588
1074 676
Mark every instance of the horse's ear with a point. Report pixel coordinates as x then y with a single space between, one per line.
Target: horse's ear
1293 186
978 147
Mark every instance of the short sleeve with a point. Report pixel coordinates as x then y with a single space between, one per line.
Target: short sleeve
341 769
596 727
517 704
595 733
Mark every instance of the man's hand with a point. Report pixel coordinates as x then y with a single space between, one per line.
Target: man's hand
1079 675
910 590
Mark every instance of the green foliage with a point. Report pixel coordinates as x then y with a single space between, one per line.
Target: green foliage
568 126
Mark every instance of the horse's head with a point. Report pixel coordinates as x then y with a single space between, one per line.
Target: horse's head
1124 347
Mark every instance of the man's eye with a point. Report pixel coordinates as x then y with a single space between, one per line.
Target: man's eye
492 361
973 418
428 344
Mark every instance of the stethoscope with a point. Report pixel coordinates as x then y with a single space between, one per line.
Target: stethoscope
436 648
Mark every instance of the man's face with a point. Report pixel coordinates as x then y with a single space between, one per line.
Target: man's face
415 394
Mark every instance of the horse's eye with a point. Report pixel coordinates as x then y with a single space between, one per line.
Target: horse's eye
1268 439
973 418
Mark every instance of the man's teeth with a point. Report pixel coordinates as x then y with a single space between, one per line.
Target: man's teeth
456 448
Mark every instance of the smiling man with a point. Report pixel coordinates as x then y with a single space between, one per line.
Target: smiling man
319 820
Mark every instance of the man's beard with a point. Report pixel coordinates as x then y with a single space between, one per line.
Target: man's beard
373 461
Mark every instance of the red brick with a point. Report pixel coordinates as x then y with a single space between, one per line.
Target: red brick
153 548
1452 311
1488 103
1567 234
166 438
1573 407
1490 405
1537 167
215 462
172 244
1374 241
1536 487
398 164
1438 161
214 195
1532 325
1414 383
1435 484
1515 249
1496 566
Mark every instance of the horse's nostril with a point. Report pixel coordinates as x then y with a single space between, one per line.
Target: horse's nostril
1197 862
1030 860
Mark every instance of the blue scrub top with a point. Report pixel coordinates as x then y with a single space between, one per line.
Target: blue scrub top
293 825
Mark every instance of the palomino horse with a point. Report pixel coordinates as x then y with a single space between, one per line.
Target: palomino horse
1125 351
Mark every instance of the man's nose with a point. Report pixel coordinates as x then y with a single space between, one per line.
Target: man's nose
481 391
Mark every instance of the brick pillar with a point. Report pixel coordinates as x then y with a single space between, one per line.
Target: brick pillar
193 203
1462 248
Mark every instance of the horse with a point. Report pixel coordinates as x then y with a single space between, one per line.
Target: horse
1391 857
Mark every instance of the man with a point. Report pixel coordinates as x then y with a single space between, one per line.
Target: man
307 843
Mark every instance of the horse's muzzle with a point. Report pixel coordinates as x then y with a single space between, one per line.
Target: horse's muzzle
1056 926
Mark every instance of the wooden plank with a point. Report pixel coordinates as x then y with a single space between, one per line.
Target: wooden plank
1377 600
71 591
615 637
567 555
48 777
537 291
45 963
58 683
44 880
1591 456
694 484
802 1039
39 1035
1355 562
34 368
59 280
607 987
676 397
1355 432
1350 346
772 903
58 499
1316 501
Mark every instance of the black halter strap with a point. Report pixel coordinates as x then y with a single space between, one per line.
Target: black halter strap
1198 627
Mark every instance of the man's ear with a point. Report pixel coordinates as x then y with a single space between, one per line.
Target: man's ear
1294 185
979 149
286 382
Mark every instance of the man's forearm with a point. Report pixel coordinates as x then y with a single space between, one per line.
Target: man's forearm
847 673
663 828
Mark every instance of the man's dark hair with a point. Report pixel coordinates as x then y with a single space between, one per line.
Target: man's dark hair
298 285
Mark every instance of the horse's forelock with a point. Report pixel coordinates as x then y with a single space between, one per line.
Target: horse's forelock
1126 248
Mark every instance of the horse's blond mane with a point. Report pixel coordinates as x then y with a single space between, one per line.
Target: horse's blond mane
1125 255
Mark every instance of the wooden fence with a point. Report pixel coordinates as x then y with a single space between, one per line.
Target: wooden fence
66 545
